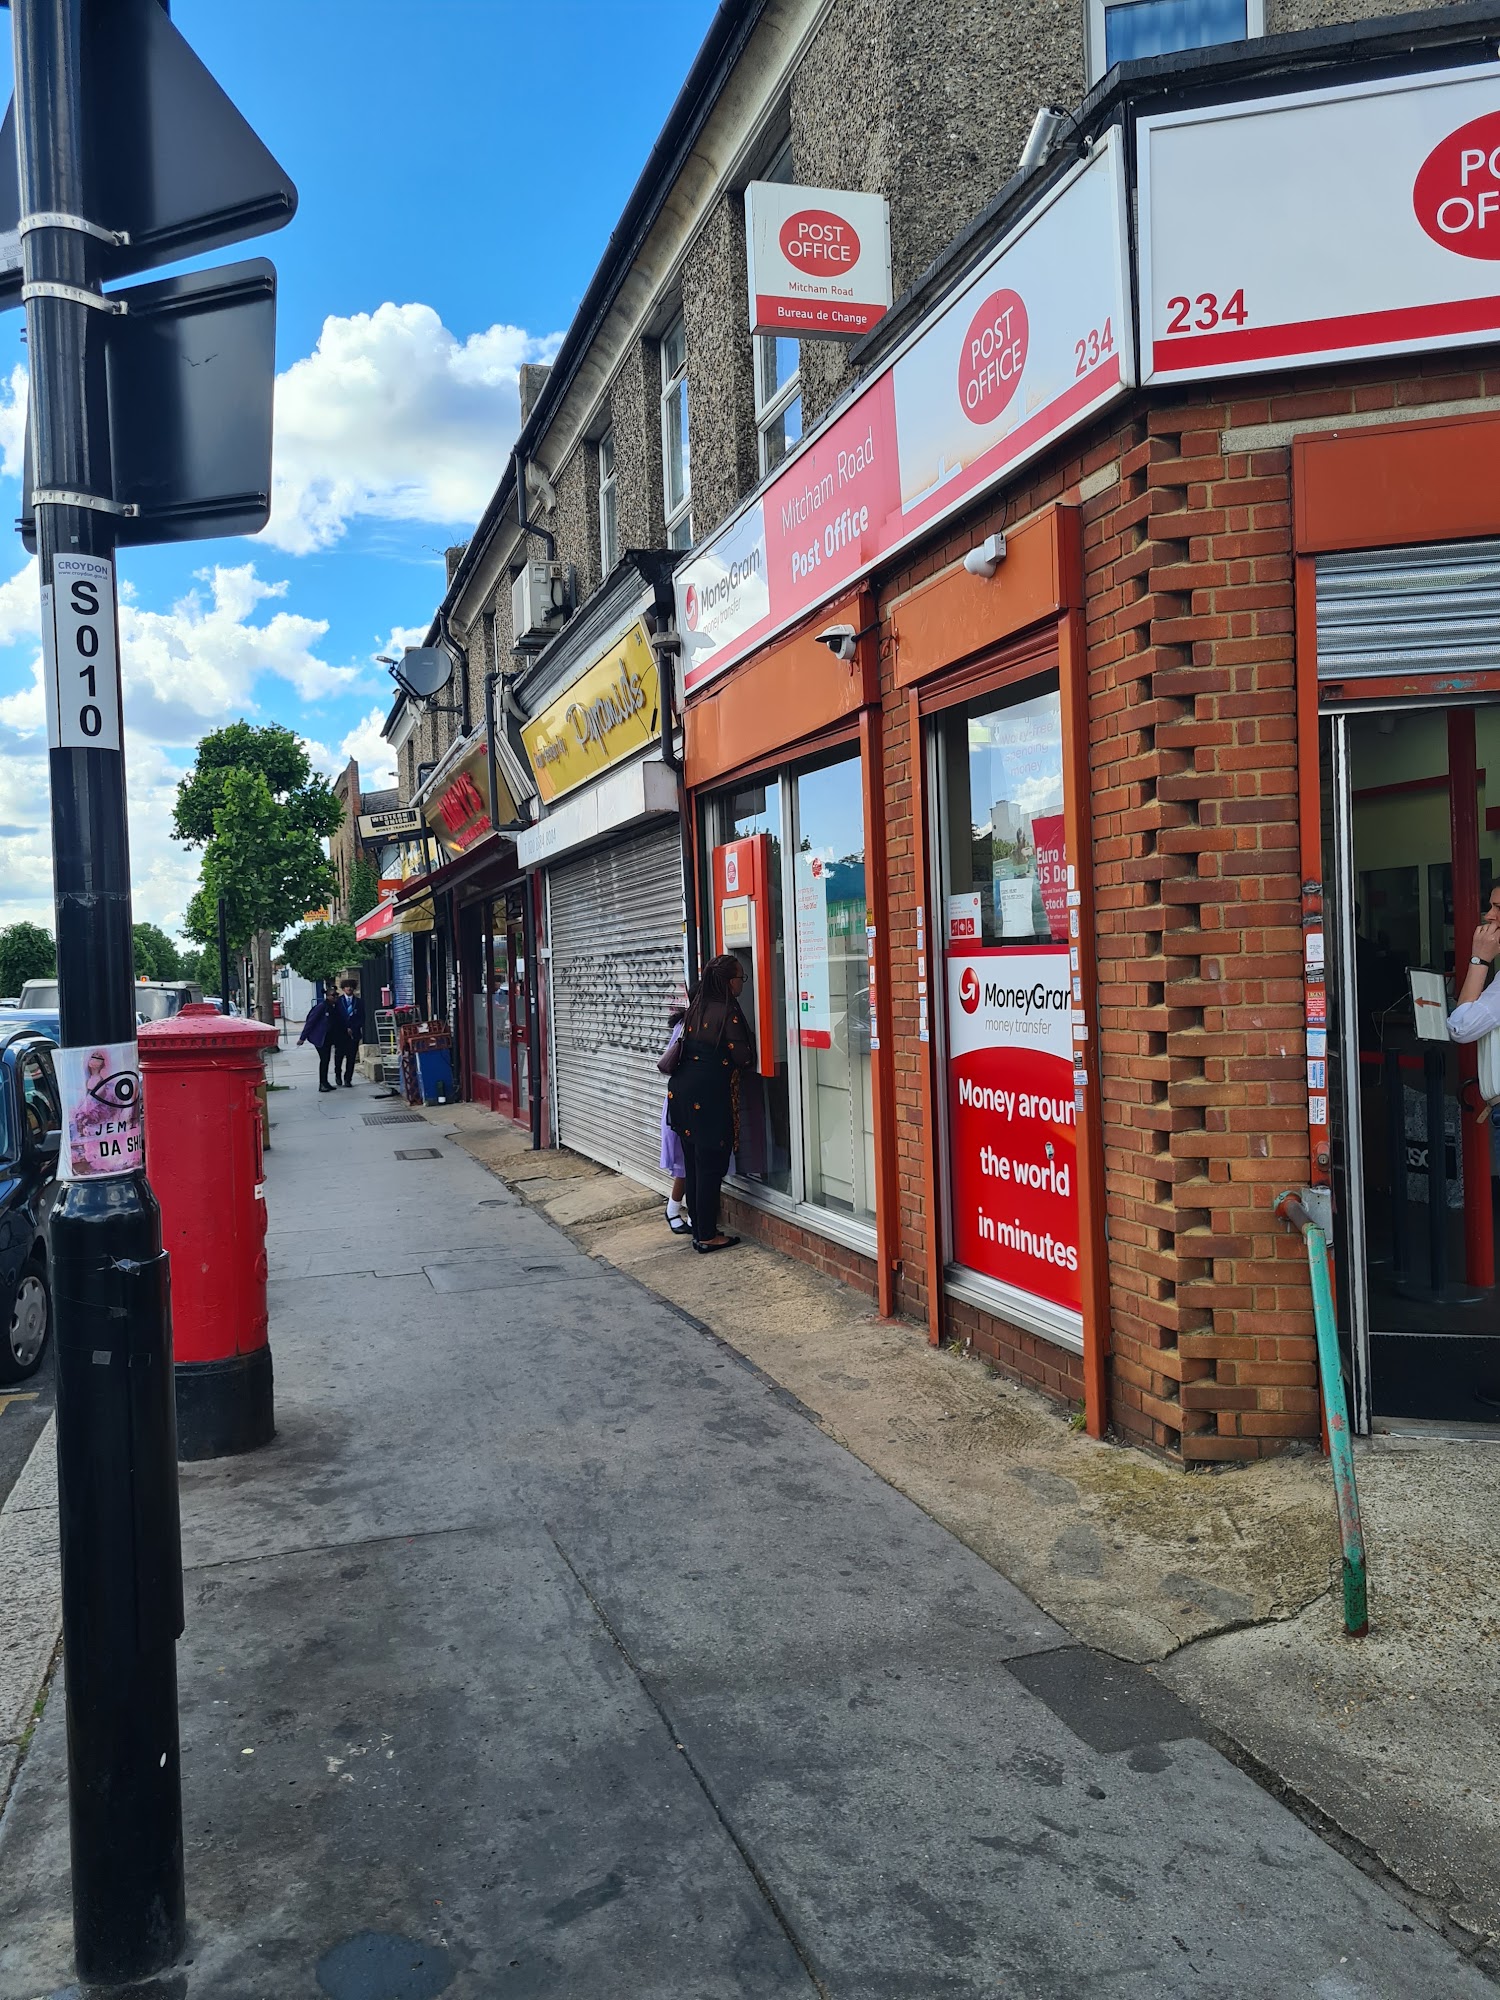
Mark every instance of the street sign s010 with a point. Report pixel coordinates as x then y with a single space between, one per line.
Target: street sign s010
80 663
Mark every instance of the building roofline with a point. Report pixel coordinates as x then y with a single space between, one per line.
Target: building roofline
723 45
1302 57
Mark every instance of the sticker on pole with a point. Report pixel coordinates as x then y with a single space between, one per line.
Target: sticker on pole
83 668
101 1103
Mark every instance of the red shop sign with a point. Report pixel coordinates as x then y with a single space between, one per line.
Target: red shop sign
1012 1118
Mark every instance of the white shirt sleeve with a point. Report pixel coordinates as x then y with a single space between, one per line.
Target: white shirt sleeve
1475 1018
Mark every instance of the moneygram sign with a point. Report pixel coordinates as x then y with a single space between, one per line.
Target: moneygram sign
820 260
1241 271
1035 343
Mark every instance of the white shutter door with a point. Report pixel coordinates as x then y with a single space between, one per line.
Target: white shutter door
1433 609
616 962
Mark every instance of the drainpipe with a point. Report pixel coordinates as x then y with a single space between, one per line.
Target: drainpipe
666 646
461 661
543 535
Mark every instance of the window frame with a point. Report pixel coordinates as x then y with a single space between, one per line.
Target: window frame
769 412
609 505
853 1231
1095 38
679 517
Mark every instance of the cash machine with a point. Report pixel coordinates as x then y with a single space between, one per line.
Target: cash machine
742 925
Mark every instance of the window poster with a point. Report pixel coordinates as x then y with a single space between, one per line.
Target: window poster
1013 1118
814 1009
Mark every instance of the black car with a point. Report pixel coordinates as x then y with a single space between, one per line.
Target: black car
30 1134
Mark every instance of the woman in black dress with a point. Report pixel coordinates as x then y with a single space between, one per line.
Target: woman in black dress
703 1094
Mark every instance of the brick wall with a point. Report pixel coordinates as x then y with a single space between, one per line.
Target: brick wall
1193 753
808 1246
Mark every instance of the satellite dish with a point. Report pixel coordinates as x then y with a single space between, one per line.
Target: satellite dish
423 671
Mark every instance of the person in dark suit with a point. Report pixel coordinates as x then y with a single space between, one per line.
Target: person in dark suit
318 1029
348 1031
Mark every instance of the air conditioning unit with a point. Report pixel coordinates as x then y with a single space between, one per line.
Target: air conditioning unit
541 598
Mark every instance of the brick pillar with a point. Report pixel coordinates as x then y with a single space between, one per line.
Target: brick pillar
1193 745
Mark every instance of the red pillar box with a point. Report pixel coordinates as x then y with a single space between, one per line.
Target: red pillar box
200 1071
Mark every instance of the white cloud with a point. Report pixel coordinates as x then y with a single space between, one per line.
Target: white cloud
13 422
199 663
393 417
21 605
202 663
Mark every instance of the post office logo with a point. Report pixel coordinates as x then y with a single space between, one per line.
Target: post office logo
1456 194
819 242
993 356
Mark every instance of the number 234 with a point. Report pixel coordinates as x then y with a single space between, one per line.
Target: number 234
1209 313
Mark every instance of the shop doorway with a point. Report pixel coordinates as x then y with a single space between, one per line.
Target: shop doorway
1412 804
499 1039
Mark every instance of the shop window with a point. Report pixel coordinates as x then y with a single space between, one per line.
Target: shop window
609 515
795 842
833 991
1138 28
1011 985
677 481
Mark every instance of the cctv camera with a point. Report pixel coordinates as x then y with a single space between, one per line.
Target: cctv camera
839 639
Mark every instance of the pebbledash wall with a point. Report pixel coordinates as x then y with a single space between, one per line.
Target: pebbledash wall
1182 499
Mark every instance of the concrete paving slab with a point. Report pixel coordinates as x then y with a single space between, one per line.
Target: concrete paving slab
31 1594
680 1698
601 1199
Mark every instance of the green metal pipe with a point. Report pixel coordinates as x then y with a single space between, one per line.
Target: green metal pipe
1336 1413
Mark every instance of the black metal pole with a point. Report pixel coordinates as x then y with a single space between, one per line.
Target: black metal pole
116 1424
224 995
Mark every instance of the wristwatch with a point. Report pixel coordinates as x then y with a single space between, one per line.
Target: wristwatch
1479 961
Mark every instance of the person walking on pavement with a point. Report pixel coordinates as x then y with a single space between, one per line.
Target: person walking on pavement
349 1031
672 1161
703 1093
318 1030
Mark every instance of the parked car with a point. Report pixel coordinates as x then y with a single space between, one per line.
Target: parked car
155 999
46 1020
216 1000
30 1136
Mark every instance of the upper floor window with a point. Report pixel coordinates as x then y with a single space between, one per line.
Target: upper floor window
609 512
778 396
677 481
778 366
1133 29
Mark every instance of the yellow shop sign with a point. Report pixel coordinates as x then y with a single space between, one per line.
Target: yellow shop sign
608 713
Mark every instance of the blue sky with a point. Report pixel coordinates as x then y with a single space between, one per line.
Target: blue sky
412 283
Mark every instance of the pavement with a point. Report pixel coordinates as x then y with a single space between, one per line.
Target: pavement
555 1647
1224 1580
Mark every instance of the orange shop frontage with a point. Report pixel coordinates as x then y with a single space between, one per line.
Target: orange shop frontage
1050 747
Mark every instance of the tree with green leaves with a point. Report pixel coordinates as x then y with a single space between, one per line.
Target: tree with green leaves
323 951
260 813
26 952
364 889
156 957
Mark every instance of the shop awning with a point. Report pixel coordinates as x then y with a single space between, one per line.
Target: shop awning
377 923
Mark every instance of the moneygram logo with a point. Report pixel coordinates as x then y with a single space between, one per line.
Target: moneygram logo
817 241
690 606
968 989
1456 194
993 356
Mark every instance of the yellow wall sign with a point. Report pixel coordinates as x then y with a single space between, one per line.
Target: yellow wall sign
607 714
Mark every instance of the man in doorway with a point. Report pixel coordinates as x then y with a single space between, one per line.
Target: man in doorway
1478 1009
348 1031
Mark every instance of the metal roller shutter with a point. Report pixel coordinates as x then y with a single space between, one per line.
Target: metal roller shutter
1421 610
616 920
